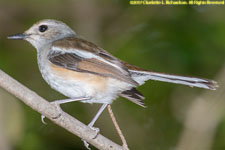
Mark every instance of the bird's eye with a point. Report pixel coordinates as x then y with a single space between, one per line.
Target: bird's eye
43 28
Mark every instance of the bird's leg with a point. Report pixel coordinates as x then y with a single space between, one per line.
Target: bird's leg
91 124
63 101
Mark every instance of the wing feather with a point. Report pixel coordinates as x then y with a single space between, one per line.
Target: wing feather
83 56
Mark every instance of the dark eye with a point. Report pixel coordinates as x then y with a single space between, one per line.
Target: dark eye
43 28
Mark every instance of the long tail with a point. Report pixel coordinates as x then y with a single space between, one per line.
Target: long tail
142 76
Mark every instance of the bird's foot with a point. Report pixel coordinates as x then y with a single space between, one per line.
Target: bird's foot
57 104
86 144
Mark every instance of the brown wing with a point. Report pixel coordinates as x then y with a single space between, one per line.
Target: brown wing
70 57
75 43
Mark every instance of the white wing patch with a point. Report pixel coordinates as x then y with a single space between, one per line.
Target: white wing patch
84 54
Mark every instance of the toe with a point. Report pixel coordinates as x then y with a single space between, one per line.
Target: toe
86 144
97 130
43 119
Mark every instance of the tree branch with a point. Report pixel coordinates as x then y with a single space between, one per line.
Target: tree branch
50 111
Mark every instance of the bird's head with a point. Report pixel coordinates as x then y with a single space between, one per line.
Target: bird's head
45 32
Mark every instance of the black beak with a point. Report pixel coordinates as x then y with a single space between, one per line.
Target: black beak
19 36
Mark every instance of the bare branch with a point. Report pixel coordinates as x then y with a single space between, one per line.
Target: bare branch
50 111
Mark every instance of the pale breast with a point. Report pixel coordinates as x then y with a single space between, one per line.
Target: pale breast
94 81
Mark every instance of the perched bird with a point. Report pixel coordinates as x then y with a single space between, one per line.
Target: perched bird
84 72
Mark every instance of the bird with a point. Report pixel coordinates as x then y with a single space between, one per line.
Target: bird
85 72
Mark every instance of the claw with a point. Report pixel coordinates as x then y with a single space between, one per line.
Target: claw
43 119
97 130
86 144
58 107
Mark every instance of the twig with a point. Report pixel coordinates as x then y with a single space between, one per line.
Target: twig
117 127
50 111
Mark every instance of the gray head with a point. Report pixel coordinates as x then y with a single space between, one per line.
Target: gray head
45 32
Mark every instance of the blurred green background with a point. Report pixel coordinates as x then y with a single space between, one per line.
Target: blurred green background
186 40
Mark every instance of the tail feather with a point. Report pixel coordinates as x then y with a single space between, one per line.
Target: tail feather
135 96
142 76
